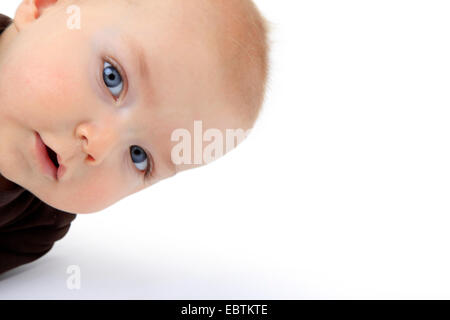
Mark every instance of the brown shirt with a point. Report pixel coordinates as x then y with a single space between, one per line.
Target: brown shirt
4 22
28 227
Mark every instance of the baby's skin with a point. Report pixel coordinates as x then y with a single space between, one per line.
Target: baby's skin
108 95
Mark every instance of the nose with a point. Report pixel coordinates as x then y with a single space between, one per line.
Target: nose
96 141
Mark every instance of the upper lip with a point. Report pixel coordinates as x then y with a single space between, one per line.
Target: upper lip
59 159
57 154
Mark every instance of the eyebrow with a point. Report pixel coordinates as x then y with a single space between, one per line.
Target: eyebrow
139 53
143 68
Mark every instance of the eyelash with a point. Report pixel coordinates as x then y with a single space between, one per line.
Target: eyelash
149 170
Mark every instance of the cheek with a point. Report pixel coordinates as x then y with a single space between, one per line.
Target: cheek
44 86
49 87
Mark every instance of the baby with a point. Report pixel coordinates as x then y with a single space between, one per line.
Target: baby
91 91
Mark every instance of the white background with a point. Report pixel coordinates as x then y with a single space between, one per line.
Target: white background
341 191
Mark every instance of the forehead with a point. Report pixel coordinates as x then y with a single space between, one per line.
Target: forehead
183 57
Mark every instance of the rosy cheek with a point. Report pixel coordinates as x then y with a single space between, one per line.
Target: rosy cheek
34 89
49 87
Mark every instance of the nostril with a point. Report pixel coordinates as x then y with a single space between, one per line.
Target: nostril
90 158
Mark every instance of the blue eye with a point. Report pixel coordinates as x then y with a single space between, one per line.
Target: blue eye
140 159
112 79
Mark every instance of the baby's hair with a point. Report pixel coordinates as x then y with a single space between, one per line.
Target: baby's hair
246 34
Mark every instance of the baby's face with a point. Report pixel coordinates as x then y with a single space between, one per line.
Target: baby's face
129 77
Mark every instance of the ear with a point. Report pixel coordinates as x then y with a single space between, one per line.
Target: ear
29 10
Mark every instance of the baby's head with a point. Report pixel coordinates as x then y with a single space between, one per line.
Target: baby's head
126 92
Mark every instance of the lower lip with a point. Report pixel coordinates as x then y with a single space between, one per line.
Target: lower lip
60 172
46 165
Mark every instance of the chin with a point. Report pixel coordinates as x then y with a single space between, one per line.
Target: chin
77 209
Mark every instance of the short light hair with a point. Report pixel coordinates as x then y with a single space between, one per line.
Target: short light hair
246 54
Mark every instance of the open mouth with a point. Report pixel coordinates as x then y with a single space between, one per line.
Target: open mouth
48 159
52 155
